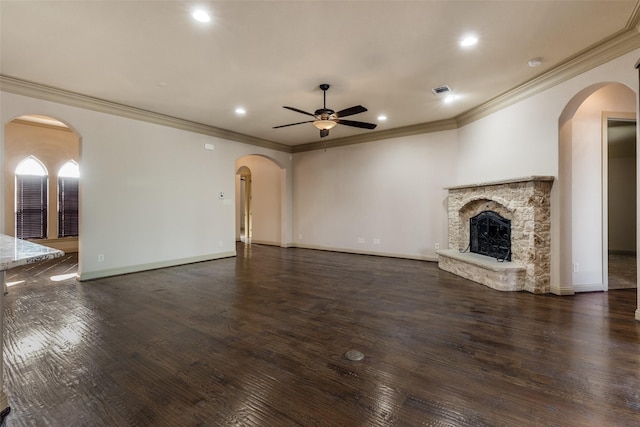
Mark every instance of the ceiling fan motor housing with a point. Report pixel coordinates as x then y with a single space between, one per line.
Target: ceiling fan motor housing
325 114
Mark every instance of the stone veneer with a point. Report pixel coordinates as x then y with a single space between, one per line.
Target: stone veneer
524 201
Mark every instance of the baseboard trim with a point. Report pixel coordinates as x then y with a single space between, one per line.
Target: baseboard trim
362 252
561 290
93 275
598 287
638 315
265 242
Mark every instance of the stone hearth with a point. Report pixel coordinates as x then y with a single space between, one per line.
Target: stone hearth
524 201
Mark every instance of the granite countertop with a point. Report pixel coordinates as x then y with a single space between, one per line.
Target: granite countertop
15 252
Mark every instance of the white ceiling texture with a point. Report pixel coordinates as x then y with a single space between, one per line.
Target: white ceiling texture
263 55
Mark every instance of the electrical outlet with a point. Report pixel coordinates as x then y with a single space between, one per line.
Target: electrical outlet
376 241
300 236
361 240
101 258
576 267
437 245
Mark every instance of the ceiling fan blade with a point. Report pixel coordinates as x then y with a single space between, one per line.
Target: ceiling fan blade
324 132
298 111
351 111
356 124
293 124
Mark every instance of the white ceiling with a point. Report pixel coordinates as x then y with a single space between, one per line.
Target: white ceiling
262 55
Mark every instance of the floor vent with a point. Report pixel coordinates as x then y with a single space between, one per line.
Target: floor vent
354 355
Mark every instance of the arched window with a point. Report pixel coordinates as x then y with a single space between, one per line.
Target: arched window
68 178
31 199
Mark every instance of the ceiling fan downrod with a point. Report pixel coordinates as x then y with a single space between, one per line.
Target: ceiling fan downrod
324 87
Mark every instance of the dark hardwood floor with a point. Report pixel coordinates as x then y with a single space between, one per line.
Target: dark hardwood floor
259 340
622 271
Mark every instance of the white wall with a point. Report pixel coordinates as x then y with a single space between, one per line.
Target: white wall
519 141
382 197
149 194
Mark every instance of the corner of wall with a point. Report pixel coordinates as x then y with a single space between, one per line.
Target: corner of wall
561 290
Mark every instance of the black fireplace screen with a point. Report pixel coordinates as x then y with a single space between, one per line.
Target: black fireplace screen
490 235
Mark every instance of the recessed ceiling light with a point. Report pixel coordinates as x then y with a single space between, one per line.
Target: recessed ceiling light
201 16
241 111
382 118
450 98
535 62
468 40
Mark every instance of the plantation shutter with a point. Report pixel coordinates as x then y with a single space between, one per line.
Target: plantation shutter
31 207
67 206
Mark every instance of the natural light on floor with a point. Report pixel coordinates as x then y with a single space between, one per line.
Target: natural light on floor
57 278
9 284
61 277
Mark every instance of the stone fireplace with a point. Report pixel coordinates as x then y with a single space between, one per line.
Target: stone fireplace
485 210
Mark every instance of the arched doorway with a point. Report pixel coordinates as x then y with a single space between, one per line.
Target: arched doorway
583 180
57 146
243 214
260 200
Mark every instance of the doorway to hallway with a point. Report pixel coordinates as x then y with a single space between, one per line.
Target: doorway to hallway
621 257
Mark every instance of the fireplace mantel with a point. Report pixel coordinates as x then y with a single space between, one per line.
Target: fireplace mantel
503 182
526 203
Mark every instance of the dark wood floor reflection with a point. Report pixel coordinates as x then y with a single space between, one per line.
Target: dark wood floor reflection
259 340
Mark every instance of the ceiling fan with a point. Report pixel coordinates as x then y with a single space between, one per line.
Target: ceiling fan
325 118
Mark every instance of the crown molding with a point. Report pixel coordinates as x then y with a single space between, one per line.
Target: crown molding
634 19
53 94
437 126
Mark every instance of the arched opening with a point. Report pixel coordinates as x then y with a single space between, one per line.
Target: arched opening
243 208
56 146
588 164
259 200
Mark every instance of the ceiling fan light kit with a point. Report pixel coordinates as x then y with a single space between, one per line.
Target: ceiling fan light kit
324 124
326 119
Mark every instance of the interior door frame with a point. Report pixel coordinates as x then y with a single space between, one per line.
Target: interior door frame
606 116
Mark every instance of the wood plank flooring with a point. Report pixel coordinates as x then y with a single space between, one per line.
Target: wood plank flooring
259 340
622 271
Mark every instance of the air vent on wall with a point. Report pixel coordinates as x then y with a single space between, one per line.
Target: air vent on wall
440 90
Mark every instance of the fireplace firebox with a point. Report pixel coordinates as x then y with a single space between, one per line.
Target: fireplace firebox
490 235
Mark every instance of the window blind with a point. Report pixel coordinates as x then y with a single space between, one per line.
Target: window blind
31 207
67 207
